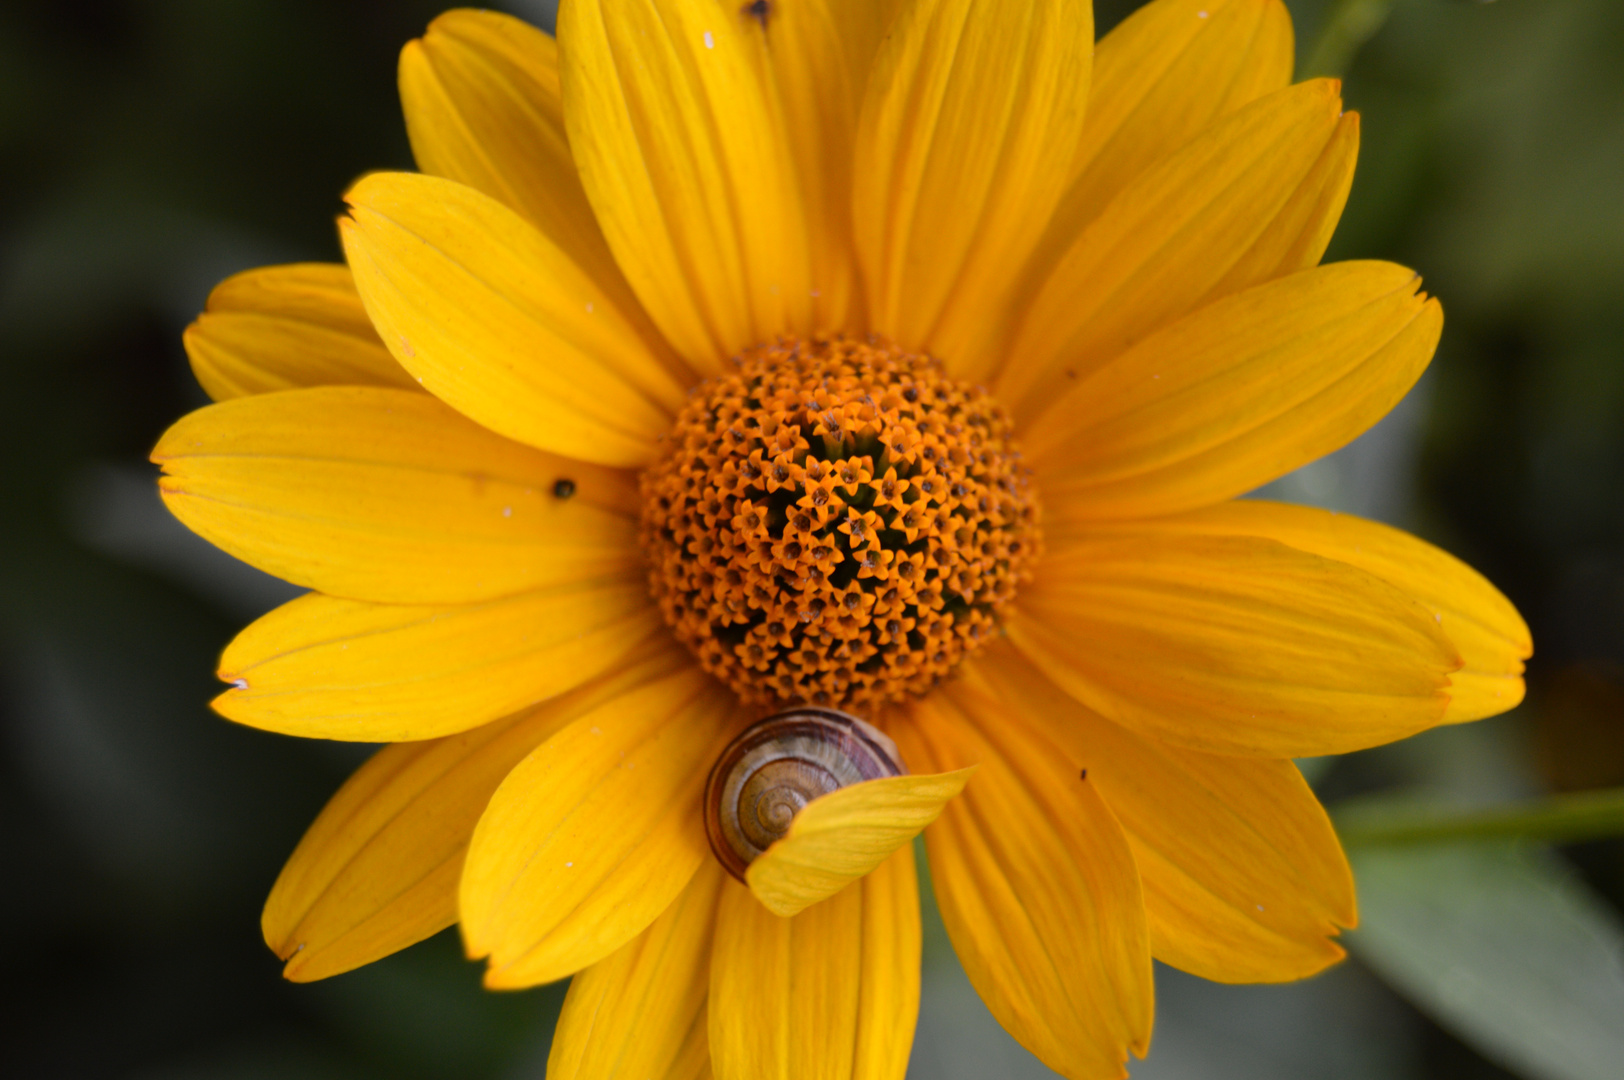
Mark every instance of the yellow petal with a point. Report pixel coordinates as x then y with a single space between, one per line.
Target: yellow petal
481 97
1037 887
1492 638
682 149
279 327
378 869
962 154
1234 644
1244 878
328 668
385 495
843 835
1167 240
832 993
890 969
494 317
640 1013
1244 390
1162 76
815 57
595 833
1297 236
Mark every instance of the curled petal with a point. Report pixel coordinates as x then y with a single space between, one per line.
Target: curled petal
839 837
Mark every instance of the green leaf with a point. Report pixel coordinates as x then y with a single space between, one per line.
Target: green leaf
1503 944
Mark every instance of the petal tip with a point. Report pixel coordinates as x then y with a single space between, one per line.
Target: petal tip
369 185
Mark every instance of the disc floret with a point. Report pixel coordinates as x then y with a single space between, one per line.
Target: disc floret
836 522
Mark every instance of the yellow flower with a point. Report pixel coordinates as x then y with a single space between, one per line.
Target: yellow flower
904 357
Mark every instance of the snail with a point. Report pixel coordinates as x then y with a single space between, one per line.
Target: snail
778 765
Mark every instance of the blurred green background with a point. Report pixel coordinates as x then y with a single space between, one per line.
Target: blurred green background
148 148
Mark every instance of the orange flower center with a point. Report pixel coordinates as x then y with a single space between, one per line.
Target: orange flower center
837 522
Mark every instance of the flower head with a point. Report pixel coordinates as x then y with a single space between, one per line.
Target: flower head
763 432
837 523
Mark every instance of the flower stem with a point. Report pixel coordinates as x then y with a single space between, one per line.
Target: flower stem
1348 26
1585 815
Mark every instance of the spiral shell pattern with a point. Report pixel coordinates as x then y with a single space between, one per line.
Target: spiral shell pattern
777 766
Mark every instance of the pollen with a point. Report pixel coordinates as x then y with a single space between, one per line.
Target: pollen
837 522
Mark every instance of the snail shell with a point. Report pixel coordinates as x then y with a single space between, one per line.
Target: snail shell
780 764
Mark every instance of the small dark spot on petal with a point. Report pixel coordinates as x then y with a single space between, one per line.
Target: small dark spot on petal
563 488
759 10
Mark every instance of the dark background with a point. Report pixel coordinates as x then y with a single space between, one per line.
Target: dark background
149 148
